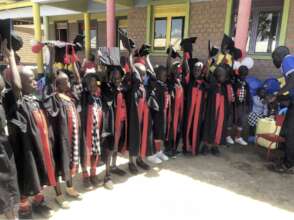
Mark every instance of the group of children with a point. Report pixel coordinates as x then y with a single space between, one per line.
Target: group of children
80 122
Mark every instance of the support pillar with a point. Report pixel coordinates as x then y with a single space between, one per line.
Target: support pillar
244 12
87 31
110 23
46 27
38 35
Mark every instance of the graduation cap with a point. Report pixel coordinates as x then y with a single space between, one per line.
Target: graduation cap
212 50
187 44
127 42
14 41
109 56
144 50
227 43
174 53
79 42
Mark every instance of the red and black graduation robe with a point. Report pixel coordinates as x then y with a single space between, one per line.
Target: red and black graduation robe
30 139
175 116
91 112
138 115
115 125
65 126
215 122
159 117
196 101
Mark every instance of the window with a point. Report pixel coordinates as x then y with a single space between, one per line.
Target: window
177 31
61 30
168 26
264 26
266 37
93 32
160 33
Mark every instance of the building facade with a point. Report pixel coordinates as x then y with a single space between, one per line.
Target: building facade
164 22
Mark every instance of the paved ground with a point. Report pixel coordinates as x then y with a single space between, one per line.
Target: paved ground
235 185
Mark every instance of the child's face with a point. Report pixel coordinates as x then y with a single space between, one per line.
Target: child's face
262 93
115 78
162 76
93 87
197 71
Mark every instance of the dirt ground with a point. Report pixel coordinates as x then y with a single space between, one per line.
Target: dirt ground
236 185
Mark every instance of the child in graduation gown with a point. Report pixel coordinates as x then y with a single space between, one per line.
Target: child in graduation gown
176 110
91 121
114 129
216 110
160 117
62 108
29 137
196 92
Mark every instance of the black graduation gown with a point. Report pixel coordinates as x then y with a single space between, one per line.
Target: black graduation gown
160 117
140 140
62 149
175 116
27 143
195 104
216 114
87 101
9 194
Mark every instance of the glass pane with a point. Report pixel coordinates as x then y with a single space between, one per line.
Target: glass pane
160 32
177 27
266 38
121 47
93 39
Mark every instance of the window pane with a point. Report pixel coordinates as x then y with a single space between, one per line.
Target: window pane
266 38
177 27
160 32
121 47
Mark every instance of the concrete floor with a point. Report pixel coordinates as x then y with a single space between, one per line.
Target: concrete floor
235 185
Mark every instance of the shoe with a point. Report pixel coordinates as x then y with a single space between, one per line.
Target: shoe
230 140
117 171
108 184
73 193
215 151
154 159
162 156
142 164
87 183
133 169
204 149
281 168
25 214
95 181
241 141
42 209
61 202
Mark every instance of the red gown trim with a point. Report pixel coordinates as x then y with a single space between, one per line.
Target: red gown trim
43 131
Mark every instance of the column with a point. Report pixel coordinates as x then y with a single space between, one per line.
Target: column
38 35
110 23
46 27
244 12
87 31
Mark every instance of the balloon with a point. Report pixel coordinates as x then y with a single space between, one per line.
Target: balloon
248 61
271 85
254 84
236 66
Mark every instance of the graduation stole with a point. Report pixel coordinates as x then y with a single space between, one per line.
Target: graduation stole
194 116
230 93
42 126
91 113
186 59
120 117
178 110
220 115
73 129
143 113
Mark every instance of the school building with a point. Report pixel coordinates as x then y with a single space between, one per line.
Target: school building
159 23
